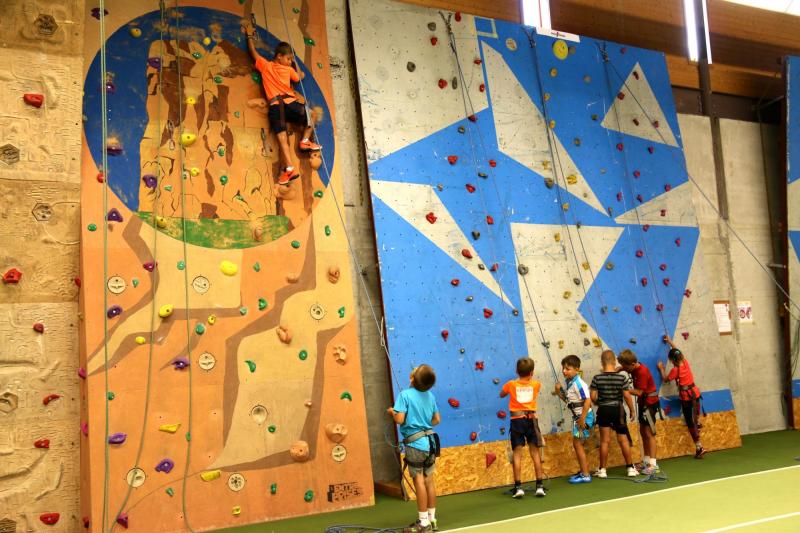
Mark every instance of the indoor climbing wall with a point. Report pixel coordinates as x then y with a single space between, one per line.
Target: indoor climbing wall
793 216
530 197
40 73
219 343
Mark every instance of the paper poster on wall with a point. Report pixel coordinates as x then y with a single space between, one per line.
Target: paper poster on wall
722 310
745 312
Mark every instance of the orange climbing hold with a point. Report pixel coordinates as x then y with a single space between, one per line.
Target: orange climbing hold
12 275
501 414
487 313
492 163
34 99
454 282
452 159
466 253
453 403
490 458
50 397
494 267
489 220
470 187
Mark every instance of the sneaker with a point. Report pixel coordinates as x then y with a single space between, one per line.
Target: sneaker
601 473
309 146
289 174
580 479
540 493
417 527
518 493
648 470
641 467
700 453
632 472
434 524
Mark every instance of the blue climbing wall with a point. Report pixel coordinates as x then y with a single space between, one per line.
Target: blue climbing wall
793 196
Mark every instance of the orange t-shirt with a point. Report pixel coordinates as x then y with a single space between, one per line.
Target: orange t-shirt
276 78
522 394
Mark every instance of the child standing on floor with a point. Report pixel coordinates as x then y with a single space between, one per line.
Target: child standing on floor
416 412
578 400
608 391
524 430
644 388
689 394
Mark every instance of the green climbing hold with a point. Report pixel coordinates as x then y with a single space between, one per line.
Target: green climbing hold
295 244
237 114
221 151
251 365
199 329
239 197
341 312
262 304
170 491
135 282
188 436
242 310
309 41
272 428
197 55
309 495
181 265
318 194
217 79
110 395
345 396
92 227
328 231
273 489
303 355
257 267
223 179
256 76
295 10
319 65
168 188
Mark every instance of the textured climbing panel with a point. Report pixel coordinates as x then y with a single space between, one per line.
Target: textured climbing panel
530 196
221 342
793 214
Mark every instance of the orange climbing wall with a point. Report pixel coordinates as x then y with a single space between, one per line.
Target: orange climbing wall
249 393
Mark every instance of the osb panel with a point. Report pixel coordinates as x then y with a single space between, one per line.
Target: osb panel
796 411
463 468
53 27
33 366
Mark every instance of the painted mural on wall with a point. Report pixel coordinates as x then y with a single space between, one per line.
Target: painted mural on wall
793 214
219 340
530 197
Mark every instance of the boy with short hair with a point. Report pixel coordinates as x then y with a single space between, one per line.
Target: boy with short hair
608 391
644 388
283 102
416 412
522 393
689 393
577 397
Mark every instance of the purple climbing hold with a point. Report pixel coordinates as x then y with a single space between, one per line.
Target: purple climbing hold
85 429
96 12
166 466
110 87
122 520
117 438
114 215
114 311
154 62
82 373
180 363
150 181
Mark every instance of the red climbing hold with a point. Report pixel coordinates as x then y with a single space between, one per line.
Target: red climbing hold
687 293
655 123
646 227
685 335
49 398
473 436
42 443
466 253
489 220
442 83
472 118
678 241
77 281
458 16
651 149
86 522
12 276
482 87
623 50
494 267
454 282
636 173
667 410
639 198
619 196
620 146
453 403
639 253
621 95
36 100
487 313
663 212
666 282
492 163
636 121
38 327
122 520
667 187
49 518
477 61
635 74
501 414
470 187
660 307
100 177
452 159
662 266
490 458
637 308
478 365
445 334
434 40
644 282
430 217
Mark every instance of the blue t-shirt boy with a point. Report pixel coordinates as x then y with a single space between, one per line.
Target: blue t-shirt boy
420 407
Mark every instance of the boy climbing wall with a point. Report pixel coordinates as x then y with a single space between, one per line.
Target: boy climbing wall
284 106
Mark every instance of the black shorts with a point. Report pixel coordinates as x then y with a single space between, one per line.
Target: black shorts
293 113
612 416
525 431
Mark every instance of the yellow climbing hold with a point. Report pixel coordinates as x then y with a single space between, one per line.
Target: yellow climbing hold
194 171
557 237
546 97
584 327
140 340
161 222
207 41
188 139
567 294
165 310
565 206
228 268
596 342
552 124
237 510
169 428
560 49
585 265
211 319
136 32
190 100
572 179
553 72
560 344
210 475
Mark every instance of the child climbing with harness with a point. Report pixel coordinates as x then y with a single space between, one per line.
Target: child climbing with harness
416 412
577 397
522 393
284 105
608 390
688 392
644 388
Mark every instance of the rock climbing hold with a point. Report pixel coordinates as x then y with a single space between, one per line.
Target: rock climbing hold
585 265
318 194
42 443
33 99
490 458
110 395
551 124
473 436
687 293
636 121
487 313
685 335
644 282
619 196
430 217
483 175
596 342
453 403
454 282
494 267
632 340
49 398
210 475
609 266
117 438
38 327
333 274
663 212
584 327
445 334
309 495
114 311
667 187
327 230
659 307
482 87
262 304
181 265
187 139
566 295
165 310
161 222
180 363
651 149
662 266
341 312
471 118
466 253
576 281
492 163
346 396
666 282
489 220
620 146
549 183
92 227
565 206
46 518
639 253
165 466
586 342
243 310
678 241
442 83
646 227
636 173
169 428
560 344
637 308
228 268
82 373
284 334
501 414
468 298
639 198
135 32
251 365
236 510
594 116
149 266
522 269
12 276
470 187
295 244
553 72
481 266
85 429
546 344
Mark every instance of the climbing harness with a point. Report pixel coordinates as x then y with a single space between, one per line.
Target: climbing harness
434 448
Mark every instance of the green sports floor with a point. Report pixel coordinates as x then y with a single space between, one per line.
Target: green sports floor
754 488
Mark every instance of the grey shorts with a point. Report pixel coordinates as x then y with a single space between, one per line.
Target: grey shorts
418 456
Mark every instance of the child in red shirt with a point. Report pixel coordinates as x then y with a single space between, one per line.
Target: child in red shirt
644 388
689 394
277 77
522 394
